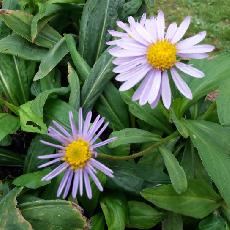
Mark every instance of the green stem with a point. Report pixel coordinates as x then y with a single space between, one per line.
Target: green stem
141 153
209 111
82 67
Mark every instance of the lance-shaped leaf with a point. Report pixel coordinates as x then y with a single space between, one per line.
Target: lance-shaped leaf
10 216
8 158
198 201
41 215
93 33
212 143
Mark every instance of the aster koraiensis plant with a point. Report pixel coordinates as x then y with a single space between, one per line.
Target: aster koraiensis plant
77 154
146 53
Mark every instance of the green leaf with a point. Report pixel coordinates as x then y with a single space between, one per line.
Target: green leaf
173 222
9 124
153 117
10 216
18 46
93 33
53 214
97 222
212 143
132 135
198 201
216 71
175 171
36 149
32 180
114 207
31 113
15 78
133 177
130 8
20 23
213 223
8 158
97 80
111 106
52 58
222 102
74 97
142 216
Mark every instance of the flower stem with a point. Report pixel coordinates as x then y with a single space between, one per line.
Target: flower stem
141 153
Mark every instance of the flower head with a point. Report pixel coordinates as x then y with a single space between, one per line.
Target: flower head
146 53
76 155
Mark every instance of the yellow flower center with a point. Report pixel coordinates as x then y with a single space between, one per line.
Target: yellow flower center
161 55
77 154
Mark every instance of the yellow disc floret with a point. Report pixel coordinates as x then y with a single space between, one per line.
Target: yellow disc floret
77 154
161 55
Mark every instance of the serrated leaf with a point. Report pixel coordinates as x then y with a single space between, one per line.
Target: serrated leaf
9 124
32 180
175 171
142 215
198 201
212 143
114 207
52 58
132 135
41 215
18 46
97 80
93 33
10 216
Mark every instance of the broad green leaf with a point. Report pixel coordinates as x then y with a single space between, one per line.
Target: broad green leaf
52 58
97 222
15 78
132 135
18 46
213 222
58 110
93 33
74 97
31 113
66 1
9 124
6 141
4 189
212 143
130 8
133 177
173 222
153 117
97 80
111 106
32 180
198 201
114 207
20 23
10 4
53 214
36 149
222 102
175 171
216 71
142 215
9 158
10 216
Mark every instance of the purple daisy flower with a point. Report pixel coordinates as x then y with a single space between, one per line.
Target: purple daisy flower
77 153
145 53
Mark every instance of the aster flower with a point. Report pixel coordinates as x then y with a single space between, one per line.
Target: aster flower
146 53
76 155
